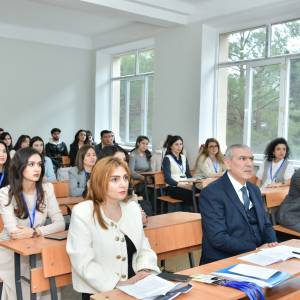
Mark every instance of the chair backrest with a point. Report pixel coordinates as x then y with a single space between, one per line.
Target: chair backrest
55 264
61 189
253 179
159 179
65 161
275 198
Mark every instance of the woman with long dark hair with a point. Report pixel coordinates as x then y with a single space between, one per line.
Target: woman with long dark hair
80 174
25 204
210 161
276 169
176 170
79 141
4 164
106 241
37 143
6 138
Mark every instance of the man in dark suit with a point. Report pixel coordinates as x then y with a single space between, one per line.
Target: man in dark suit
233 216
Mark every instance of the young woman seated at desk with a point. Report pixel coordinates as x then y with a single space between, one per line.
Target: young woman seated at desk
24 206
106 241
4 163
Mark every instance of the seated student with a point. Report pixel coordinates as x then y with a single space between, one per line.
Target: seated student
4 164
25 206
234 219
210 161
56 148
107 139
288 213
37 143
6 138
79 141
140 161
80 174
90 138
22 142
175 168
1 130
276 169
106 241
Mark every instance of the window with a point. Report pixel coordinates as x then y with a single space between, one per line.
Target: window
132 94
258 86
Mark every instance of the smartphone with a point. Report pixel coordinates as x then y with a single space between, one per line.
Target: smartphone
57 236
174 277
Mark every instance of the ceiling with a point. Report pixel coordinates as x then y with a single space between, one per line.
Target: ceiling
86 20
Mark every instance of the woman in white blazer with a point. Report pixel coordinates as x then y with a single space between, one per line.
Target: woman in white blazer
25 205
106 241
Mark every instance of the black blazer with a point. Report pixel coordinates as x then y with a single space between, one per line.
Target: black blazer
226 230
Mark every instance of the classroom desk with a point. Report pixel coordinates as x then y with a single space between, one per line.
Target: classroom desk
174 233
289 290
67 203
27 247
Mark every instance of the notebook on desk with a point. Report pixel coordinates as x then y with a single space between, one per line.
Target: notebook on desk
264 277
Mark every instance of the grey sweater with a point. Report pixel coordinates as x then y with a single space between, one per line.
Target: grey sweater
138 163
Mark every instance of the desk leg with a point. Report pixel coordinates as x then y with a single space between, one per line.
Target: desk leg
194 198
32 263
191 259
18 276
155 201
146 189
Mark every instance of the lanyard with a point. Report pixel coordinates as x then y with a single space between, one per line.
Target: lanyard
2 178
215 165
179 164
277 171
32 216
252 290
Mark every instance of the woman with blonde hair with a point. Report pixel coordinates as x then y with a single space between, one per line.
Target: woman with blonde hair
106 242
210 161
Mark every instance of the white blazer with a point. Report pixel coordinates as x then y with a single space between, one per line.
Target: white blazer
99 256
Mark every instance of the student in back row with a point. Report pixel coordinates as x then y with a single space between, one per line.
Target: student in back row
107 139
79 141
276 169
210 161
56 148
4 164
176 168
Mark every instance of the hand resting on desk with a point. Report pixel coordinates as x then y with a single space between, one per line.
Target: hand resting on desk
22 232
139 275
268 245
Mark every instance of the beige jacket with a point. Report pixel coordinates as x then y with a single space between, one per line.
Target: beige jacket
99 256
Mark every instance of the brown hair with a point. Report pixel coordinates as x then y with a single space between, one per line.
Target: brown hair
204 152
80 156
99 181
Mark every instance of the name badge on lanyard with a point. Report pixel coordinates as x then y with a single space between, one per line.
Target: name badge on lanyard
32 215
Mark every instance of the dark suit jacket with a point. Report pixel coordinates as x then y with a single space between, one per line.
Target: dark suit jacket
226 230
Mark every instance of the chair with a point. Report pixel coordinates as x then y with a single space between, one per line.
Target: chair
55 272
273 200
65 161
61 189
282 229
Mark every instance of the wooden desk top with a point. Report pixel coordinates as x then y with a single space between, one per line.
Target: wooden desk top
283 189
171 219
69 200
210 292
29 246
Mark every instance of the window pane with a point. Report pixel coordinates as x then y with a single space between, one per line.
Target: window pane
265 106
243 45
286 38
231 94
294 109
135 109
150 107
124 65
146 61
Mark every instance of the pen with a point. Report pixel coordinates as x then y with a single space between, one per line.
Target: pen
296 252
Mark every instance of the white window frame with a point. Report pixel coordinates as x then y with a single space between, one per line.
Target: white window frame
144 77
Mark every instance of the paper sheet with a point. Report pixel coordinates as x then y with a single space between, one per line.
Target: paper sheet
253 271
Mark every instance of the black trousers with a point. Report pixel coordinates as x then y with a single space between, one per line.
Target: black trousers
86 296
182 194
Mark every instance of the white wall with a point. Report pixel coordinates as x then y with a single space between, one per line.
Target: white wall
177 86
44 86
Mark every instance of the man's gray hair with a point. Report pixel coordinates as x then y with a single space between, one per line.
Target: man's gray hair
228 152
